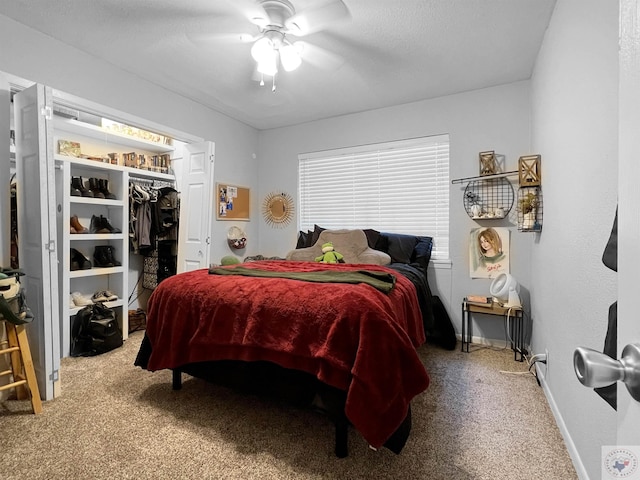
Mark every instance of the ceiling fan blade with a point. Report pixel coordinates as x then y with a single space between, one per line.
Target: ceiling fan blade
320 57
317 18
208 38
252 10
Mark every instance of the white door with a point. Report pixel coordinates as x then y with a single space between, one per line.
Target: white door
628 211
196 207
37 230
5 175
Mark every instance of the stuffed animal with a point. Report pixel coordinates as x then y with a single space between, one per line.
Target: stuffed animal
328 255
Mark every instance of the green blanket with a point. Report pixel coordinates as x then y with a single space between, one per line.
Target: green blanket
379 280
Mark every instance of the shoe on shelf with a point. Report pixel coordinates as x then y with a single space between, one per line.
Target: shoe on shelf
103 296
76 226
79 261
94 188
81 300
103 256
100 224
78 184
103 185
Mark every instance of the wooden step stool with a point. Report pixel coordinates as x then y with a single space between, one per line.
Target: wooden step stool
21 365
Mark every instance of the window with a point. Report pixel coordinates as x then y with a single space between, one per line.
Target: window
395 187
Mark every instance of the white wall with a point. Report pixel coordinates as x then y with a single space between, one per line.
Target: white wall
575 127
490 119
38 58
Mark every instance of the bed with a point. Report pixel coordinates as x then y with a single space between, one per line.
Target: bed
337 337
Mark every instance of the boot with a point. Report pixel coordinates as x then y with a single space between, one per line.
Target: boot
104 222
94 188
103 185
97 226
76 227
101 256
78 184
111 253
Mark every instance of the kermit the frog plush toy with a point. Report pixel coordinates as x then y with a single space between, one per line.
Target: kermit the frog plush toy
328 255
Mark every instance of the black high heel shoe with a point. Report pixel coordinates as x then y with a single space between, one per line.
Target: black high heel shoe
79 261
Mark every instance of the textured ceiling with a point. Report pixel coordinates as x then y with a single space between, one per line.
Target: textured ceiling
386 52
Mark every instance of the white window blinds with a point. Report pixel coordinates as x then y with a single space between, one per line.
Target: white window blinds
395 187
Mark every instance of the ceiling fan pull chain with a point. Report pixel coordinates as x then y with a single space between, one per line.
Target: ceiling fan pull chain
262 79
273 88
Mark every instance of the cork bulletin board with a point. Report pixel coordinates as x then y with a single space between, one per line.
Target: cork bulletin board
233 202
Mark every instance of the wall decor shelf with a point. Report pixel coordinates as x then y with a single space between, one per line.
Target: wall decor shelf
530 209
488 198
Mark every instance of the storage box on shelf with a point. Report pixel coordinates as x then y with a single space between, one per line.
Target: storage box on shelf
81 184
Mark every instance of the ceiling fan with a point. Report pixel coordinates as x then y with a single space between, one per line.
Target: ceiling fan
278 23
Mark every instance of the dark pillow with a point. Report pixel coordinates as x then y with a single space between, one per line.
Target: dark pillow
316 233
382 243
401 247
422 251
303 239
372 237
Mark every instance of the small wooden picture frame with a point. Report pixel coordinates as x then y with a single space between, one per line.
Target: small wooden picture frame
529 173
488 163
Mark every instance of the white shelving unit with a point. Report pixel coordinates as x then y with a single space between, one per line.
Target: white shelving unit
96 142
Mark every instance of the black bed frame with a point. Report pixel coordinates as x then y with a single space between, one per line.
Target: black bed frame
298 388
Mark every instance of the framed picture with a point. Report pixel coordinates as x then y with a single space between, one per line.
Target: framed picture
488 252
232 202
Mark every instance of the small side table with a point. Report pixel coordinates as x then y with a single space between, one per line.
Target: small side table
516 324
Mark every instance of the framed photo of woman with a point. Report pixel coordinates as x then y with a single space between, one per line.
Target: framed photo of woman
488 252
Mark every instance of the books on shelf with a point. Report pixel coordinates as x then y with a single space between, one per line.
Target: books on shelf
480 300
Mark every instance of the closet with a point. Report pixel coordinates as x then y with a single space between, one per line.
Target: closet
76 162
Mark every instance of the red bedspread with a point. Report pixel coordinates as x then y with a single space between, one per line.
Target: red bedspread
351 337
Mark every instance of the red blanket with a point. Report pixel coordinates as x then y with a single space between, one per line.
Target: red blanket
352 337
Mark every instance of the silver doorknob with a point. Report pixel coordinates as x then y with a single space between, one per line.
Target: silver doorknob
595 369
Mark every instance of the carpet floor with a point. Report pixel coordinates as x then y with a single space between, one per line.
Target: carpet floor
117 421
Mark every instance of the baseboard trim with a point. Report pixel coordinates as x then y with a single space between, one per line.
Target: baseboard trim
487 342
571 447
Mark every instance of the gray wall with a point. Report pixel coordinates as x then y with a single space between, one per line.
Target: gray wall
33 56
575 126
490 119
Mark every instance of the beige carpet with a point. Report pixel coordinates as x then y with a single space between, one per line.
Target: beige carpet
117 421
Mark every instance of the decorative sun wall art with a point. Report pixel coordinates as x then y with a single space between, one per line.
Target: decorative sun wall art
278 209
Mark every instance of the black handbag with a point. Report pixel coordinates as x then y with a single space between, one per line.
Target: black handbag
95 330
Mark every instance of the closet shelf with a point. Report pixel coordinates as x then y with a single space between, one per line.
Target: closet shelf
95 271
133 172
95 236
117 139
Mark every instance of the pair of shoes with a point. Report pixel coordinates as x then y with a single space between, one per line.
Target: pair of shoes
81 300
103 256
78 189
103 296
79 261
100 224
76 226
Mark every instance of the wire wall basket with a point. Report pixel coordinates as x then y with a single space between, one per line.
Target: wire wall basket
488 199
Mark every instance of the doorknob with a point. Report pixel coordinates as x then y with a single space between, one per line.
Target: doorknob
595 369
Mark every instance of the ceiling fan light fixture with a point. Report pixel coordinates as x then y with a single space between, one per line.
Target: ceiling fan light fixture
269 64
290 57
262 50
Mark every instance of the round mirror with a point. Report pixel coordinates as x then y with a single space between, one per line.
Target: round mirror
277 209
